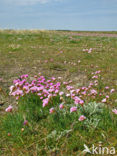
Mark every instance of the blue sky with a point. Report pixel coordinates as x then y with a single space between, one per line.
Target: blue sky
59 14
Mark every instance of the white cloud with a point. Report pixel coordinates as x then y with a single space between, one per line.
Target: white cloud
28 2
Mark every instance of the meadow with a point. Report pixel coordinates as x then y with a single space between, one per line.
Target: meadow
58 91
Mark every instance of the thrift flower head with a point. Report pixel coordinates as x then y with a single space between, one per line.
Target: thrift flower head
61 106
98 72
26 122
83 93
107 96
81 118
77 100
61 93
77 91
91 84
51 60
73 109
95 77
67 95
106 87
100 94
93 92
114 111
9 134
81 102
11 89
53 78
45 102
52 110
112 90
24 76
104 100
9 109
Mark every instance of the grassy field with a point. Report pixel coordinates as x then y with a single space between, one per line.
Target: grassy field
57 54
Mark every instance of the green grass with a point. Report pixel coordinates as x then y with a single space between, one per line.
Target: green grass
57 133
26 52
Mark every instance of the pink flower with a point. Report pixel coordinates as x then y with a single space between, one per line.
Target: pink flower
73 109
106 87
9 109
81 102
39 94
34 89
45 102
77 91
65 83
78 100
95 77
100 94
67 95
46 61
90 50
61 93
35 76
69 87
114 111
11 89
81 118
93 92
26 89
26 122
53 78
72 91
51 60
112 90
107 96
52 110
83 93
17 97
70 81
9 134
91 84
24 76
98 72
104 100
83 88
72 95
61 106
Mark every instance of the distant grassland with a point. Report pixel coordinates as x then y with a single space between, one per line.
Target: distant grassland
54 52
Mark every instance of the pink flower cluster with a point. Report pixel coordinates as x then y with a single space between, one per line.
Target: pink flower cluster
88 50
48 89
114 111
45 89
81 118
9 108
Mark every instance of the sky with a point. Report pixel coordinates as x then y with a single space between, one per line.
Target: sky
91 15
